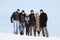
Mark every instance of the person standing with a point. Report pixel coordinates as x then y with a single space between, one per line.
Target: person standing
22 22
43 23
32 23
15 20
27 18
37 23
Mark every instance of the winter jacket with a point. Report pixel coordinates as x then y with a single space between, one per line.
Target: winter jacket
43 20
15 16
32 20
37 23
22 17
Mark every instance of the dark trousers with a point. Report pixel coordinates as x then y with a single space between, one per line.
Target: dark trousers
27 32
34 30
27 29
44 31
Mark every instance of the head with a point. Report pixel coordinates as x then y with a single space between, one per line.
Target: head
27 15
18 10
37 14
32 12
41 11
23 11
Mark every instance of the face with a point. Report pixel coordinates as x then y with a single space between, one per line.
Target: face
23 12
37 14
41 11
32 12
26 14
18 11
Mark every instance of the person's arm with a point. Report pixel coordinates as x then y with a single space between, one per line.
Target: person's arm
39 18
34 20
12 18
24 15
46 18
19 17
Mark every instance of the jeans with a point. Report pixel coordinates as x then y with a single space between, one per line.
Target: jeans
21 27
16 26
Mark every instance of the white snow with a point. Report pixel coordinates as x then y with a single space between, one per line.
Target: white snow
4 36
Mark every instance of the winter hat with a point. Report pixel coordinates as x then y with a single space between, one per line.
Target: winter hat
18 9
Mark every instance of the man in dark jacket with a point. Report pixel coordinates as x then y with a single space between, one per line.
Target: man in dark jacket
22 22
15 20
32 23
43 23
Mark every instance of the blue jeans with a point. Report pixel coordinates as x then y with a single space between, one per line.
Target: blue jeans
16 26
21 27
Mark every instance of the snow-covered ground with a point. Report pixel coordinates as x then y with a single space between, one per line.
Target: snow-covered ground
4 36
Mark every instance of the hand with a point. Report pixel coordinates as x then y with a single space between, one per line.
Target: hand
11 21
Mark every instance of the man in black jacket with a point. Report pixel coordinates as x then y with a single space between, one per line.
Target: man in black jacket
22 22
43 23
32 23
15 20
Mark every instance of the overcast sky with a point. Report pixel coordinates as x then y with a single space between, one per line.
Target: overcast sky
51 7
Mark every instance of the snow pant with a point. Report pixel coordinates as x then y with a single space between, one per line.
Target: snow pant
44 31
16 26
32 27
21 28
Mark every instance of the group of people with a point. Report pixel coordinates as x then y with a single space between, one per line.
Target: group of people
33 21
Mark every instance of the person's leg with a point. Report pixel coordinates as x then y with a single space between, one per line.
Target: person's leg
20 27
38 33
17 25
34 30
14 26
26 29
40 30
46 31
23 25
28 33
30 30
43 31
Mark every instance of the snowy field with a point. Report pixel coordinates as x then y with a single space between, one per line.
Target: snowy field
4 36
